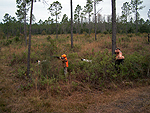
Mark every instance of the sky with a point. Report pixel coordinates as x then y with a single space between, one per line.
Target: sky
40 9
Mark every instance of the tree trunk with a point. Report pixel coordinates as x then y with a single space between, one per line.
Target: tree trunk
78 25
25 31
7 31
29 46
81 22
136 20
95 17
71 25
113 26
56 28
89 25
148 38
126 25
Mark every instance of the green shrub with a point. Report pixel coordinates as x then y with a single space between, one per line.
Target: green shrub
134 67
76 48
43 32
16 39
103 67
108 45
138 47
49 49
46 81
138 34
21 59
73 55
146 65
73 65
85 33
48 38
105 32
7 42
102 70
21 72
2 35
45 68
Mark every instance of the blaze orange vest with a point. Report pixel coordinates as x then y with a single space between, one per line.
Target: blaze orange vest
66 62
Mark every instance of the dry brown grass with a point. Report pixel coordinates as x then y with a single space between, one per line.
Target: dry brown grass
64 97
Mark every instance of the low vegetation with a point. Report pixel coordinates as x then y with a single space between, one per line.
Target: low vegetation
49 90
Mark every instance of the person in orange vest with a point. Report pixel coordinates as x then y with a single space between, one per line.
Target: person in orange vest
64 60
119 58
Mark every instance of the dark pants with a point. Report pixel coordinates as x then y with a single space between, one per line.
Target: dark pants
117 63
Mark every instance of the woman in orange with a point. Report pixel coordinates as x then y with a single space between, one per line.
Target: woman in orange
64 60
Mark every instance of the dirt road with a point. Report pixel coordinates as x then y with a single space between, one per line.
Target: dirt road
135 100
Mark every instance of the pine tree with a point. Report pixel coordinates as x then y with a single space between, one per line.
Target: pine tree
135 4
55 10
126 11
88 10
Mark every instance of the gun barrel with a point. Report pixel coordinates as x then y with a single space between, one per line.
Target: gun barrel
55 57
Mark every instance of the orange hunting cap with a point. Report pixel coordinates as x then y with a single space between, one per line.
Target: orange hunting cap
63 55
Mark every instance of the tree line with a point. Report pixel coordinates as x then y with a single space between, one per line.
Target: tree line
83 22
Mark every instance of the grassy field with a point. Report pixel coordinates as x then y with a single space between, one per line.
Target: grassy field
89 87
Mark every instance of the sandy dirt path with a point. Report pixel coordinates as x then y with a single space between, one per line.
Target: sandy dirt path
135 100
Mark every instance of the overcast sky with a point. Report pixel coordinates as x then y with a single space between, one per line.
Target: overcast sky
40 10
